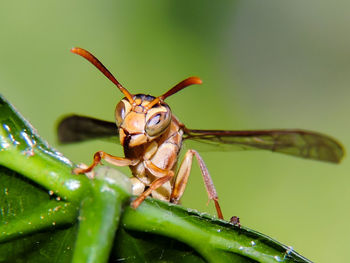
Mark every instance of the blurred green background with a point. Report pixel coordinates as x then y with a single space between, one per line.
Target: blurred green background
265 64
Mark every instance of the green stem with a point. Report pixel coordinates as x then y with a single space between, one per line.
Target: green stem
99 216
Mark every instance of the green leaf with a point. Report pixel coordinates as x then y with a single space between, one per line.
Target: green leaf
49 215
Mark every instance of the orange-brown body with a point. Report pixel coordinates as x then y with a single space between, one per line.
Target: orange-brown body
162 151
152 138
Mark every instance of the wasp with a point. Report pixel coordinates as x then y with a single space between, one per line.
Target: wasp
152 138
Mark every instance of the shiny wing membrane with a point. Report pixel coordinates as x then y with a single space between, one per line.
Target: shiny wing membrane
75 128
300 143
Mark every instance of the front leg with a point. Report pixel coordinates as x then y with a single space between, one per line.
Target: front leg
164 176
117 161
182 177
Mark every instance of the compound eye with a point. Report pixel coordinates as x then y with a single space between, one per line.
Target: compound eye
158 123
120 112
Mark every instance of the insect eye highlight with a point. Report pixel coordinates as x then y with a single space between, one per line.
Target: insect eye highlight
158 123
120 112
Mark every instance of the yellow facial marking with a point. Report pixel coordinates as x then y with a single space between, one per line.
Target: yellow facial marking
134 122
127 106
138 101
137 140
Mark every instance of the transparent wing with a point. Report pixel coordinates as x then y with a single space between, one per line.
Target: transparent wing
75 128
300 143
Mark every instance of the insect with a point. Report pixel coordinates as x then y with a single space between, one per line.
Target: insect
152 138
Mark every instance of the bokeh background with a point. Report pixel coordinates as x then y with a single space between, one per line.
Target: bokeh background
265 64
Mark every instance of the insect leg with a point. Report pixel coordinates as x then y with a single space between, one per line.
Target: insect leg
164 176
117 161
182 177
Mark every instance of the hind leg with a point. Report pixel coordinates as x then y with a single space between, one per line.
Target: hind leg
182 178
